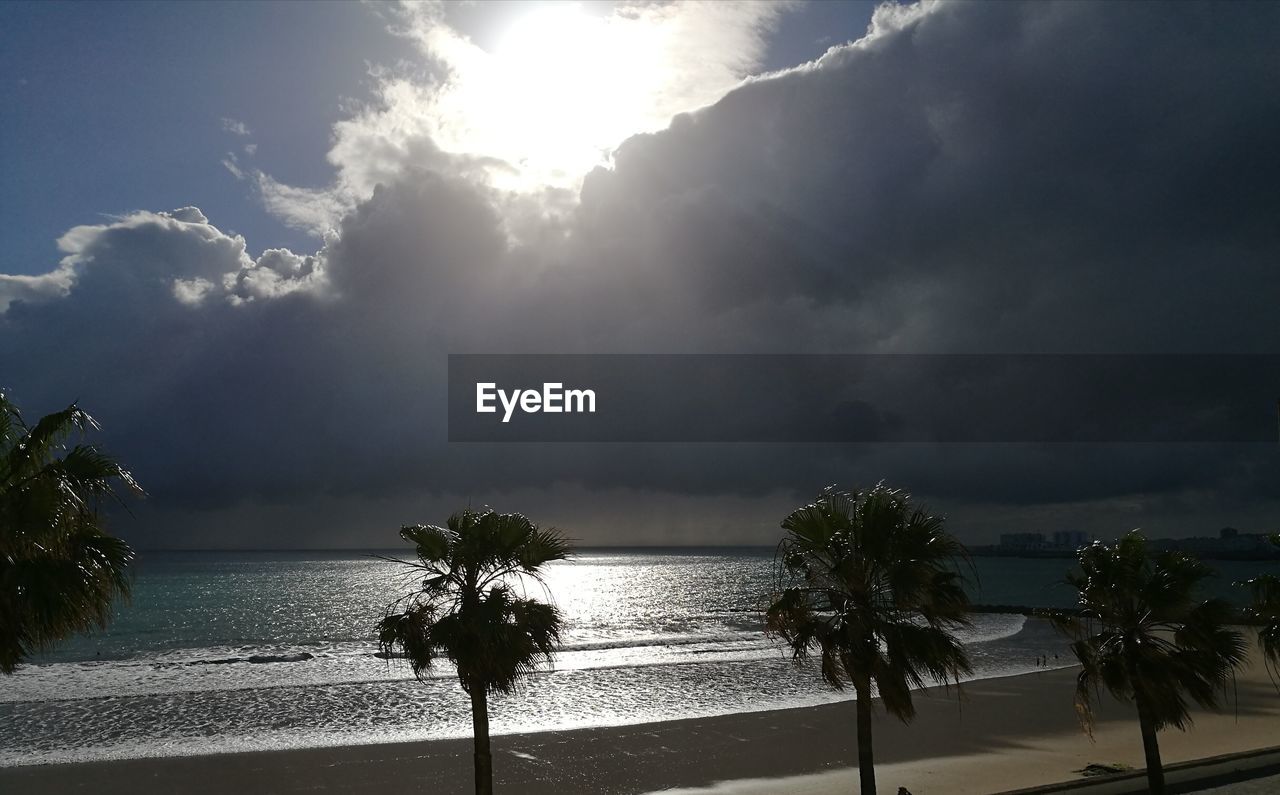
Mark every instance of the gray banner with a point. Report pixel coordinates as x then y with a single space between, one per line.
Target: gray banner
863 398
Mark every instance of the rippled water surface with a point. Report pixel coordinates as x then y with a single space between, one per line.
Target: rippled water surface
232 651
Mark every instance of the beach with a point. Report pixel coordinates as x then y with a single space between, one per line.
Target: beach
1007 733
570 397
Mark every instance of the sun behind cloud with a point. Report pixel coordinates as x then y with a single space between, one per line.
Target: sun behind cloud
577 83
552 94
563 85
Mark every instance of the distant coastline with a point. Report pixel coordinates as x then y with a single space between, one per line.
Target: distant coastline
1228 544
995 551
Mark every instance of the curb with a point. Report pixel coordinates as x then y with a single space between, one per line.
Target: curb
1179 777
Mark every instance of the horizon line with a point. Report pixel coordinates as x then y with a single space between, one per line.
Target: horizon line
381 549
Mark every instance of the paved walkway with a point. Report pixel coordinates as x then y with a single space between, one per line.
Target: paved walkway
1267 785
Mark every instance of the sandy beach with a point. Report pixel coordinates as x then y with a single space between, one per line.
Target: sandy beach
1008 733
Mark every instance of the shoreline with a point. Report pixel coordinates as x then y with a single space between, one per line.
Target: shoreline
112 712
1008 733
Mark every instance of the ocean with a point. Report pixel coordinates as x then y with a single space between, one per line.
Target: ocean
233 651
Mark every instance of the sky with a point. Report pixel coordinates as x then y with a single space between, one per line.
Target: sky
247 236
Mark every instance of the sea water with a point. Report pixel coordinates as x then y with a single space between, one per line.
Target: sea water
226 651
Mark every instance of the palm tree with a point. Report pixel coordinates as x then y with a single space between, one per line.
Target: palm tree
1264 609
60 572
1141 634
872 586
465 609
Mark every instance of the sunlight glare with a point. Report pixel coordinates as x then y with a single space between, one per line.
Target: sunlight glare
560 91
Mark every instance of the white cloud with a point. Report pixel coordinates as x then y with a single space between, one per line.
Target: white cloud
562 87
552 100
235 127
82 247
232 164
191 292
46 286
188 215
315 210
276 273
191 260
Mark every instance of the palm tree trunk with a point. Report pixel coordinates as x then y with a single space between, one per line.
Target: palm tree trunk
480 732
1151 748
866 765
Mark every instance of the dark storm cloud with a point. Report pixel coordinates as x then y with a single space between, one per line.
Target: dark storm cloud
986 178
1066 177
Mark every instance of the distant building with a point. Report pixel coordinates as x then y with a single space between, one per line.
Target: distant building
1022 542
1229 544
1061 544
1071 539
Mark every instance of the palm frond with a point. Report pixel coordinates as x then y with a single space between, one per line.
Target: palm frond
60 572
1142 635
1264 610
872 588
464 608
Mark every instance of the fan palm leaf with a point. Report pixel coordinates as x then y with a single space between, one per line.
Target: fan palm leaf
465 609
872 587
60 572
1141 634
1264 610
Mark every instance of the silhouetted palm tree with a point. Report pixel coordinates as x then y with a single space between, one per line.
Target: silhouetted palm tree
466 610
1264 609
59 571
871 585
1142 635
